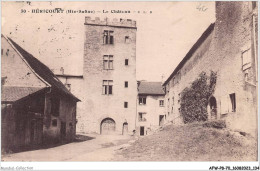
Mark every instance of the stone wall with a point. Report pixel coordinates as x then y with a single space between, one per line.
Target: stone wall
97 106
222 52
76 88
67 115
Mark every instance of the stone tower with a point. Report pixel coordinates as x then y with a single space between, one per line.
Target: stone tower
109 72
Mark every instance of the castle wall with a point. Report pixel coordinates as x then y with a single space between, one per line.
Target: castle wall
96 105
222 52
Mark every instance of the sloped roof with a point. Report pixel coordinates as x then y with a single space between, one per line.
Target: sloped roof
43 71
150 88
202 38
12 94
69 76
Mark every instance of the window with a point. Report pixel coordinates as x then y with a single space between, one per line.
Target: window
108 62
7 52
2 51
141 117
127 40
107 87
161 102
172 100
141 130
178 77
233 101
126 84
126 61
246 59
126 104
54 122
108 37
3 80
55 106
246 75
173 81
253 4
142 100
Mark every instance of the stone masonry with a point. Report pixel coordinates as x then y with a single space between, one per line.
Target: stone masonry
230 49
115 103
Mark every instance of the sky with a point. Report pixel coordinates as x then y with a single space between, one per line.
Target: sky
165 32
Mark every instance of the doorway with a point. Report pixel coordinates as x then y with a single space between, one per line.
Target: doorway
125 128
141 130
63 131
36 131
161 120
108 126
213 107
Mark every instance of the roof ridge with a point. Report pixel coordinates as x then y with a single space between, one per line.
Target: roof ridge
11 43
191 51
42 70
21 86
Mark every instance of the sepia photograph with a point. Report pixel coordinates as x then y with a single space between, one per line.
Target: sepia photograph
129 82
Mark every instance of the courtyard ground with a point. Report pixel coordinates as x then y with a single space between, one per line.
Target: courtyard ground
89 147
191 142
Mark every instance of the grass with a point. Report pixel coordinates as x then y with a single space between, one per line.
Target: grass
191 142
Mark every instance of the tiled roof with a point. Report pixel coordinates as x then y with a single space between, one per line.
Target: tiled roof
43 71
12 94
150 88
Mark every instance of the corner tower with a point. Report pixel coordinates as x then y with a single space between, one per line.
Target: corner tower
109 72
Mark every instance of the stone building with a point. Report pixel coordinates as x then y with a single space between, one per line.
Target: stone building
109 88
150 107
74 83
36 107
229 48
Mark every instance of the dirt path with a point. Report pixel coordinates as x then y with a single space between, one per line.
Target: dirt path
100 148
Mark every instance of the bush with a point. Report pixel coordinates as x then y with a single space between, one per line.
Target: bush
194 100
219 124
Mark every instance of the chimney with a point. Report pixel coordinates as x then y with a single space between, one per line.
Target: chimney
62 70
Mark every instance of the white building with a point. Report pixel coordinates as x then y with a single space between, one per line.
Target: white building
150 107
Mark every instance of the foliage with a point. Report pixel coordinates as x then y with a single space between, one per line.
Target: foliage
219 124
194 99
